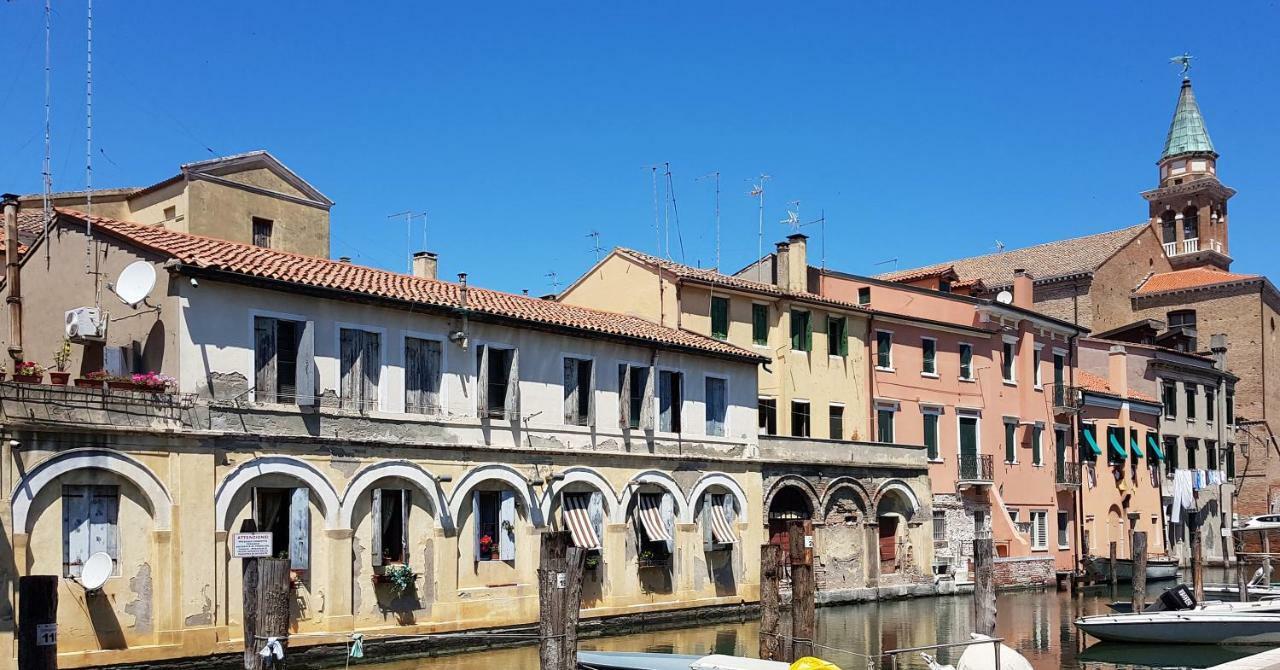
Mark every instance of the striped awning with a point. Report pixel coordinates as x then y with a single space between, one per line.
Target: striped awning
1092 444
578 521
1135 447
1153 447
721 529
1117 446
650 513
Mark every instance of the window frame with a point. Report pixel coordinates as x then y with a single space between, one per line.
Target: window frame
1063 519
383 341
1037 363
842 343
112 545
1037 444
1039 542
928 360
808 417
1191 393
254 314
588 420
678 411
864 295
1009 360
831 418
888 353
806 343
961 347
891 408
1169 399
706 406
404 368
756 340
722 300
270 226
767 401
492 345
1010 440
931 414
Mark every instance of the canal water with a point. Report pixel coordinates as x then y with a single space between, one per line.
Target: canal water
1038 624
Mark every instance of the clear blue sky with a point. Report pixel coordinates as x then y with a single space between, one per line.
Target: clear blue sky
924 130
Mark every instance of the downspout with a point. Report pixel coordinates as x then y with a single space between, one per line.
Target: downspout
871 377
1073 350
12 276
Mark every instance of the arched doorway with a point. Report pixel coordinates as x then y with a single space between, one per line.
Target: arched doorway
893 512
789 504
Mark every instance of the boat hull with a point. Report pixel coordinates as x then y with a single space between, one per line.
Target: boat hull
1181 628
1157 569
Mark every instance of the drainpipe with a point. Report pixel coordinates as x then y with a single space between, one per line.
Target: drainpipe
1073 352
871 378
12 276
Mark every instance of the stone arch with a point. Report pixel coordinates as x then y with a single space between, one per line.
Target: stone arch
837 498
583 475
281 465
495 472
401 469
714 479
898 488
852 485
96 459
657 478
804 486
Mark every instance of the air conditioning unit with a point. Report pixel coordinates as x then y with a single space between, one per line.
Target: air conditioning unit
86 324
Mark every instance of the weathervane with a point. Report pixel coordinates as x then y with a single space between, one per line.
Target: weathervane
1185 61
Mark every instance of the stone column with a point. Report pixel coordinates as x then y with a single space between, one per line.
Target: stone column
339 617
873 554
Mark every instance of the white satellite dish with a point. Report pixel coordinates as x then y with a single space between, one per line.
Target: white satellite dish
135 282
1004 298
95 571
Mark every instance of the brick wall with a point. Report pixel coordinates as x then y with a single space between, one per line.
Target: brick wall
1024 573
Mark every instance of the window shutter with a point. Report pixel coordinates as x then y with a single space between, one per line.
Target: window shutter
264 359
731 509
431 373
624 395
707 539
507 517
349 345
75 529
844 337
306 364
375 516
406 497
571 391
665 380
371 365
103 515
300 530
475 522
512 405
591 398
808 332
646 407
414 402
482 382
595 511
667 508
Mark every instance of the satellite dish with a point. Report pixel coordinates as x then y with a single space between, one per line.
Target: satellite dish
135 282
95 571
1004 298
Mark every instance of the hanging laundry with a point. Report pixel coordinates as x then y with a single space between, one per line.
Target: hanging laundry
272 651
1183 484
357 645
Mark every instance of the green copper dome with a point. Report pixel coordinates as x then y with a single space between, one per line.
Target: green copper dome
1187 134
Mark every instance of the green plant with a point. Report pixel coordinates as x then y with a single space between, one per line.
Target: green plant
29 369
593 561
62 356
400 576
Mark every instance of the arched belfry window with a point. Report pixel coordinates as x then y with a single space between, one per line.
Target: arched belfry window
1190 223
1168 231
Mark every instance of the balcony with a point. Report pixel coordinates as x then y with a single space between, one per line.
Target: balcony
1190 246
975 470
1066 399
1067 475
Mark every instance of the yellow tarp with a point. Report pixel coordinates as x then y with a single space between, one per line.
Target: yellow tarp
811 663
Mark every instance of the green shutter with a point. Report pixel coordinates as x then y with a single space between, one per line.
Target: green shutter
797 333
931 435
1010 446
760 324
719 317
808 332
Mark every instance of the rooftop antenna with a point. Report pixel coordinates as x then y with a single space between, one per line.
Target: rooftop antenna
1185 62
999 246
675 213
595 243
891 260
657 224
822 232
757 191
47 170
88 145
717 176
555 281
793 216
409 215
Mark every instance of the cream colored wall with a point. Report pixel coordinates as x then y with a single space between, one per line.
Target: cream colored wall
264 178
619 284
226 212
149 207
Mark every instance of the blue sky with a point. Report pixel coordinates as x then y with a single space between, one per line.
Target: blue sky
924 130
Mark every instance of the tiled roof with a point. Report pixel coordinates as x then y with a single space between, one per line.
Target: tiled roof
1187 134
270 264
1190 278
1054 259
30 225
716 278
1097 385
907 276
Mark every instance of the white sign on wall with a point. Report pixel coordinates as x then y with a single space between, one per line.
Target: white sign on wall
251 545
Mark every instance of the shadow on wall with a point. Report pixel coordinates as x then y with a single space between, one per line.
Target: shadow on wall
106 626
720 569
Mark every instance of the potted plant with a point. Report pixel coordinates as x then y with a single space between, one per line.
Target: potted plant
151 381
61 357
93 380
592 561
399 576
28 372
486 547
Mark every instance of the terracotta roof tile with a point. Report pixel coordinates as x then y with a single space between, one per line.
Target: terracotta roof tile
1190 278
1095 384
30 225
252 261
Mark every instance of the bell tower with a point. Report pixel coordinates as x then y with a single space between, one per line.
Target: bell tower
1189 209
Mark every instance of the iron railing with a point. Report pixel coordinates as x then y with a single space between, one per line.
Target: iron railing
976 468
1066 398
1067 473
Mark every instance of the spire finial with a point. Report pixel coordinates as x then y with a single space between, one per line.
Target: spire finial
1185 61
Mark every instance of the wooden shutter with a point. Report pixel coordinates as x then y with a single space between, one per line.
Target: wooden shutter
75 529
375 514
646 406
104 510
591 398
666 398
414 400
349 346
432 369
571 391
507 517
300 530
405 499
512 405
264 359
667 508
595 511
715 406
624 395
306 364
475 522
808 331
371 368
482 381
707 538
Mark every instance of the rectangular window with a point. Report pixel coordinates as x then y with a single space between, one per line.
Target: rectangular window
1064 523
283 355
498 377
884 350
864 295
837 336
884 424
801 331
1191 401
262 232
1169 397
760 324
931 435
719 317
929 353
1209 397
939 526
1060 447
1191 453
633 390
492 538
1059 379
1211 454
422 375
767 411
1231 407
1116 451
1036 377
1007 362
717 403
1010 442
966 361
1039 529
835 428
1229 455
579 392
670 401
1171 453
799 418
286 514
90 514
389 508
361 354
1037 451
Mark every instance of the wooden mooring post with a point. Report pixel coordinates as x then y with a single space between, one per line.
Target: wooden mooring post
249 600
1111 579
560 566
38 622
803 614
770 598
272 602
1138 551
984 593
1197 556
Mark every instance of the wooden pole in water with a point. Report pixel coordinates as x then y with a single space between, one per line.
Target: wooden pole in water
984 594
249 601
551 571
575 561
272 609
800 535
1112 566
1197 558
38 622
1139 554
770 582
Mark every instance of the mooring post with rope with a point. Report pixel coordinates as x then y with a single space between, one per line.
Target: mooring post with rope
800 535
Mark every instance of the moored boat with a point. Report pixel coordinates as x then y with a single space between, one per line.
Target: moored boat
624 660
1157 569
1215 623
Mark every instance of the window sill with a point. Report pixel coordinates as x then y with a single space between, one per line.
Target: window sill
930 375
880 369
1063 547
1037 465
936 460
1039 387
969 380
1008 382
757 345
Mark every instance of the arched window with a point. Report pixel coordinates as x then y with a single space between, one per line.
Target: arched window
1168 232
1190 223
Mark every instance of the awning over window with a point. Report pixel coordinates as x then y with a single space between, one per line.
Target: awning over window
650 515
1116 446
1153 448
721 529
1135 447
578 521
1092 443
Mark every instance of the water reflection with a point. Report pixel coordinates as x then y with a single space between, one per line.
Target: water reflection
1036 623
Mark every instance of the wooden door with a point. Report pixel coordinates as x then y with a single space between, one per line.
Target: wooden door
888 544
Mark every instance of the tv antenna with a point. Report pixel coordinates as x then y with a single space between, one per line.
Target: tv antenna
891 260
409 215
999 246
757 191
555 281
595 243
47 171
793 216
717 177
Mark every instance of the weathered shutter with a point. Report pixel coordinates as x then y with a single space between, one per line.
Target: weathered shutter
306 364
731 509
844 337
264 359
646 406
624 395
482 381
75 528
512 405
475 522
375 515
104 505
591 397
430 374
665 381
715 406
707 538
507 519
349 351
299 530
571 391
667 508
405 499
371 364
595 511
808 331
414 402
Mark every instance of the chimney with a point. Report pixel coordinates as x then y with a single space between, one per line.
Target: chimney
798 264
1023 286
424 264
12 275
1218 345
1117 370
782 266
344 259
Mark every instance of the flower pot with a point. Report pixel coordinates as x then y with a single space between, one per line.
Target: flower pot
121 385
58 378
28 379
83 383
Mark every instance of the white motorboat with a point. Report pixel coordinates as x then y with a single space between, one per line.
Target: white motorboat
1157 569
1210 623
625 660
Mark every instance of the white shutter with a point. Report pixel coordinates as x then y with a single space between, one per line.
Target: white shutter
75 528
591 400
595 511
300 530
668 510
571 391
512 404
375 516
482 382
475 521
306 365
624 396
707 538
646 407
507 519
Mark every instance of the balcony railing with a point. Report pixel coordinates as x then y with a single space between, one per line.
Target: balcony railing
1190 246
1066 399
976 469
1067 474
